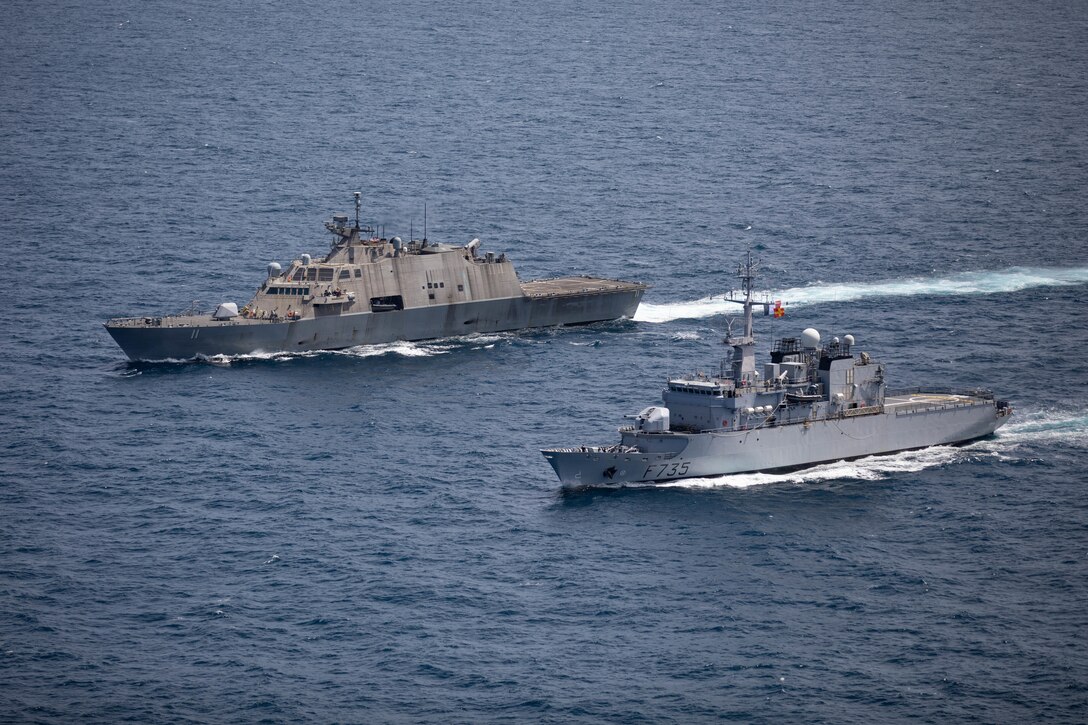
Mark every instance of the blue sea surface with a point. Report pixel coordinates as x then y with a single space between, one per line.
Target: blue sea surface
372 535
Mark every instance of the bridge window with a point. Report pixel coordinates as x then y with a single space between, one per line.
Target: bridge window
325 274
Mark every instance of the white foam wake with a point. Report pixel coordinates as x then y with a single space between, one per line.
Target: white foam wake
1013 279
1043 427
864 469
400 348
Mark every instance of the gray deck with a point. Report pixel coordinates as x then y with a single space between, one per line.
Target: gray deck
562 286
920 401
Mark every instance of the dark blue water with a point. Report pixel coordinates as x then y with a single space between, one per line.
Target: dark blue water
373 536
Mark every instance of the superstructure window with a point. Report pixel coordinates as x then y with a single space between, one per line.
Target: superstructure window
345 274
325 274
358 273
387 304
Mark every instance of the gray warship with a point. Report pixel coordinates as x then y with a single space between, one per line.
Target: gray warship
813 403
368 290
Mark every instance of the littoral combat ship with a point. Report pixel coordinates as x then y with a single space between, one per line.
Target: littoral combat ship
369 290
813 403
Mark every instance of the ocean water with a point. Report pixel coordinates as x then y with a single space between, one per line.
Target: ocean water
371 535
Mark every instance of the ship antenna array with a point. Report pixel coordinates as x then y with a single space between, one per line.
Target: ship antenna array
358 204
729 322
747 274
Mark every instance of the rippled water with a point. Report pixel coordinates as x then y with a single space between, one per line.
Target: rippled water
371 535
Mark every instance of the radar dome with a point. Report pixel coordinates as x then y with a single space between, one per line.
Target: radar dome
306 259
810 337
274 269
849 339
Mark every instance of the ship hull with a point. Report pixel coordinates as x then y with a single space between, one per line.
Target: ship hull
670 456
184 338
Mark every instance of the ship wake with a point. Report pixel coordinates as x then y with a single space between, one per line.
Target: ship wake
873 468
1043 427
430 348
1013 279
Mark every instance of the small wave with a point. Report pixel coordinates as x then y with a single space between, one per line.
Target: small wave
1014 279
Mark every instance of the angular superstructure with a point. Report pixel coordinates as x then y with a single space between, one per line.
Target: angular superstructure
368 290
813 402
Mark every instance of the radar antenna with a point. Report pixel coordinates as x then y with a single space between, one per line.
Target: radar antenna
358 203
729 322
747 274
742 358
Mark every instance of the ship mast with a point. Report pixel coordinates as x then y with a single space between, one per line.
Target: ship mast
747 274
744 348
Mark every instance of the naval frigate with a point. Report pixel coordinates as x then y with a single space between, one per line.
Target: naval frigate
812 403
369 290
